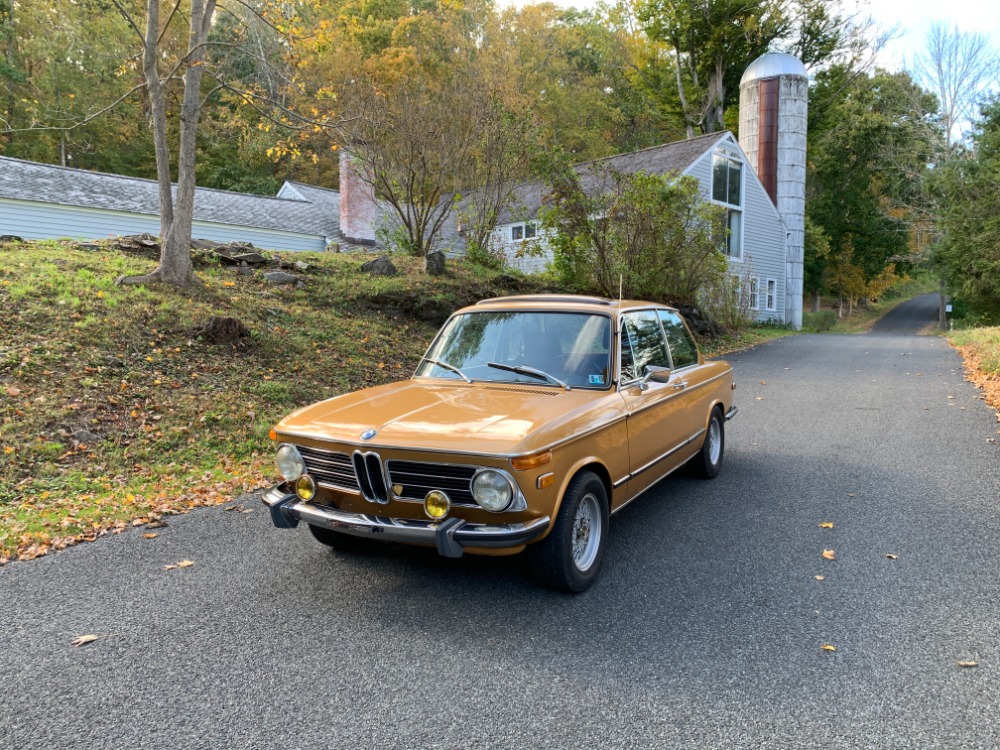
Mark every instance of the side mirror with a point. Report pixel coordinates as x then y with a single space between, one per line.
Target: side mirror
656 374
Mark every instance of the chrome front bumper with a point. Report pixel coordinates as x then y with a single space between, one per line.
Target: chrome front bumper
450 536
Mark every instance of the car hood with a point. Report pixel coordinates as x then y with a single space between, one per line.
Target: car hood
477 418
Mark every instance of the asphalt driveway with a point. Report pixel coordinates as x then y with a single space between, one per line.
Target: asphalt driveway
704 630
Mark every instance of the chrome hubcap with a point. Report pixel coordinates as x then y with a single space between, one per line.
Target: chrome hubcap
586 532
714 441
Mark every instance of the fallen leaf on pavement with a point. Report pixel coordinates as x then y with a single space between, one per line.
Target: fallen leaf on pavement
829 554
763 382
852 494
150 536
826 525
83 640
820 578
156 525
968 664
181 564
891 557
828 647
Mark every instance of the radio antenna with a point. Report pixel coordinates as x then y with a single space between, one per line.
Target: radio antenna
621 284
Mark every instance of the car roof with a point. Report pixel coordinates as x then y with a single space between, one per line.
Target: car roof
574 302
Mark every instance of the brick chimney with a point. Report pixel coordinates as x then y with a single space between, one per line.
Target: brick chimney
359 211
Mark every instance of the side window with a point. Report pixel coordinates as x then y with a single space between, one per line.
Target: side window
682 346
642 344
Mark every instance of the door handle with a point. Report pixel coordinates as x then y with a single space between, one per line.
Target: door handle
681 384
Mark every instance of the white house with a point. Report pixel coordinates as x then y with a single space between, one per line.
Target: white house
42 201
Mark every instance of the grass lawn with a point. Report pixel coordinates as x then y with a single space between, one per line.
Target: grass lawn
178 422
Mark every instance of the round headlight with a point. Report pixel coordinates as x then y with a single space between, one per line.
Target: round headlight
290 463
492 490
436 505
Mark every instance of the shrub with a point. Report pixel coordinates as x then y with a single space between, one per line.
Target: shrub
644 236
817 322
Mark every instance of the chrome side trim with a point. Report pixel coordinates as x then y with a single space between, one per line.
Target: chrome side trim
676 393
655 461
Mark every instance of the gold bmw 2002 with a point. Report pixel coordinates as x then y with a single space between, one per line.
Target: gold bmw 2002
530 420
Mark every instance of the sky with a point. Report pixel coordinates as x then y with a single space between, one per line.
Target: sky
914 18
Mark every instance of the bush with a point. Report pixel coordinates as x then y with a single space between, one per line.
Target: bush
818 322
643 236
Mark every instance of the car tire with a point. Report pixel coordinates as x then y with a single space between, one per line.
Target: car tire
568 559
708 461
338 540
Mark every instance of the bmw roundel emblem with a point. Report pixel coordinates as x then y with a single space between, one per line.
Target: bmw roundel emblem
368 434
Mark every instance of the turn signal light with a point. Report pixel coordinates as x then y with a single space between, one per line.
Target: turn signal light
272 434
531 462
545 480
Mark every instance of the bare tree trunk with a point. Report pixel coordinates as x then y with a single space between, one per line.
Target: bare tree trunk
176 215
680 91
11 98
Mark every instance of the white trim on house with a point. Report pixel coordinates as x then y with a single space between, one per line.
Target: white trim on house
772 295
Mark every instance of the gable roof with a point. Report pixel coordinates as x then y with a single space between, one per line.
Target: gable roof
46 183
673 157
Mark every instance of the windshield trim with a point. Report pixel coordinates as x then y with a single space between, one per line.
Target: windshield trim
613 380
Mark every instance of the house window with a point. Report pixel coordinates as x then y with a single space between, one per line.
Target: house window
772 294
727 188
734 234
727 180
524 231
754 292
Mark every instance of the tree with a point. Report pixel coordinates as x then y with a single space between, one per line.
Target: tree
959 67
969 251
653 235
868 158
712 41
176 215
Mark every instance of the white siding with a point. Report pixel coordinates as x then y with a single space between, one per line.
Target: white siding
764 245
527 263
36 221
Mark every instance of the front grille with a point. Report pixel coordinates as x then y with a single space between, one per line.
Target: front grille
368 468
418 478
329 468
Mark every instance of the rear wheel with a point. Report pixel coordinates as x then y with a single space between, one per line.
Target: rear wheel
338 540
708 461
569 557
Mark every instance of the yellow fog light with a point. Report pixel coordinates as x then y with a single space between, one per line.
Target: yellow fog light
436 505
305 487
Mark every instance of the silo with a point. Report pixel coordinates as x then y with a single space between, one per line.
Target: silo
774 100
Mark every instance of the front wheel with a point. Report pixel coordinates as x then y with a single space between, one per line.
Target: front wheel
708 461
569 557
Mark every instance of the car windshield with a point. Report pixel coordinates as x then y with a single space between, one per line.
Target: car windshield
571 348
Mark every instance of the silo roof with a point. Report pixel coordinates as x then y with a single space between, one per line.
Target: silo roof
772 65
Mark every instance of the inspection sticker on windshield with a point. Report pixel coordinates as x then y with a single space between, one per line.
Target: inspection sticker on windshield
597 380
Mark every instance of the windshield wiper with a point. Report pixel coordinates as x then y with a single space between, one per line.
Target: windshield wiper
529 371
446 366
